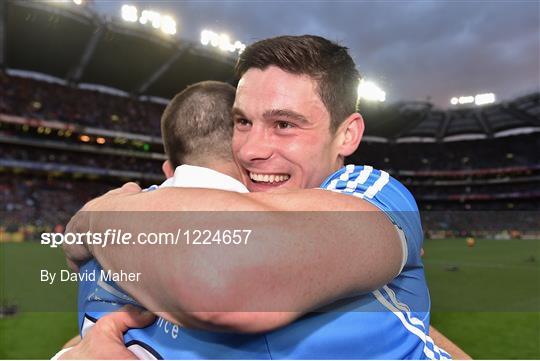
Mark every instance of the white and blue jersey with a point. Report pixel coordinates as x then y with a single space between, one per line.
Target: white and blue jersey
389 323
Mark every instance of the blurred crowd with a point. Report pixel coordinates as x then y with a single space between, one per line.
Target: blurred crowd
37 204
34 203
485 223
512 151
477 191
33 200
96 160
49 101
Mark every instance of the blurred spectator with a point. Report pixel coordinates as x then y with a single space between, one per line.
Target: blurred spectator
41 203
96 160
479 190
49 101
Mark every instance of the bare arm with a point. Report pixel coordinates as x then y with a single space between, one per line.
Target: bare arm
447 345
72 342
291 265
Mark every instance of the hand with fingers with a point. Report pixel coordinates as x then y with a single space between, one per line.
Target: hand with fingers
105 340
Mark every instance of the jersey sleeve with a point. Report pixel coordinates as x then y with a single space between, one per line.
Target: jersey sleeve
390 196
98 296
153 187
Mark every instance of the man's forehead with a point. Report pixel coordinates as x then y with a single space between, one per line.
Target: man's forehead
277 77
272 88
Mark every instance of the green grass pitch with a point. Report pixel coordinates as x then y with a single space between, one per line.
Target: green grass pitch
485 298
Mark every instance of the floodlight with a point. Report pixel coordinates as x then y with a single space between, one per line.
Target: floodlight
150 16
205 37
143 19
224 41
168 25
214 39
370 91
129 13
478 99
466 99
77 2
486 98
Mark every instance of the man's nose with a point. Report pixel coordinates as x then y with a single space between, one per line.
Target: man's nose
257 145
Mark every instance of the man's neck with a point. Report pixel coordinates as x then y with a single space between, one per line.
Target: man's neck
225 167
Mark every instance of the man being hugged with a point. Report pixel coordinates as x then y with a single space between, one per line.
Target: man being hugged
295 122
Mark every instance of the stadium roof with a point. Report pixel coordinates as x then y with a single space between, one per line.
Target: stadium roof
76 45
420 121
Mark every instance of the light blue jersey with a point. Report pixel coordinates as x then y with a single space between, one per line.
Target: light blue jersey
389 323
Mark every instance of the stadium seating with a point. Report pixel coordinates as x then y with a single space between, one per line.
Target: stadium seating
60 146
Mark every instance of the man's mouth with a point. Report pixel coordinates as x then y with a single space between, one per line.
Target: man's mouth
268 178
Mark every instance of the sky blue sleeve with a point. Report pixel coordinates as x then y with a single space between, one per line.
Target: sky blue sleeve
98 297
386 193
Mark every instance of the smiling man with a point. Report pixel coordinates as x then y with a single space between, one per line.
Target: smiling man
276 141
359 258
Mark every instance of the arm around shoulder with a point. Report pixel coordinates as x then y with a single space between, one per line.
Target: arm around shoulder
312 248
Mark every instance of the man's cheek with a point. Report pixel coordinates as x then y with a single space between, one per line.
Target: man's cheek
235 152
238 141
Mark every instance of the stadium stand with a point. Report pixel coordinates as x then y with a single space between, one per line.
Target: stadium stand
42 100
463 187
34 203
94 162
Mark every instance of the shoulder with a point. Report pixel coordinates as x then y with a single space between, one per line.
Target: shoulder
387 194
373 185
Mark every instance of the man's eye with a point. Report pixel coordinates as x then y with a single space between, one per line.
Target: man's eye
284 125
242 122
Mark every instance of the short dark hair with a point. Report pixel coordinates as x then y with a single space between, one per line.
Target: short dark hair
196 125
327 62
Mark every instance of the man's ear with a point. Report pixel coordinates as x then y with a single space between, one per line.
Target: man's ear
167 169
349 134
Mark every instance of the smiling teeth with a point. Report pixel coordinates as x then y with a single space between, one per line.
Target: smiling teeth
268 178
